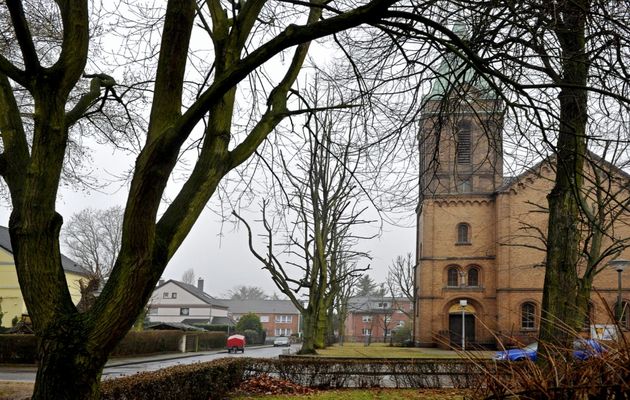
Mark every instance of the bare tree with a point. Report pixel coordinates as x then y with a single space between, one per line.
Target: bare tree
189 276
401 281
324 196
243 292
93 238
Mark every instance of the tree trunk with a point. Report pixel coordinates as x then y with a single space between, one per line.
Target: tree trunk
559 318
308 343
66 369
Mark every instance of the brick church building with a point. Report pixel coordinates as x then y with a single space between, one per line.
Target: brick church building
479 232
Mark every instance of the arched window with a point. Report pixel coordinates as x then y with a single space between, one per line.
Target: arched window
473 276
528 316
463 233
464 134
452 279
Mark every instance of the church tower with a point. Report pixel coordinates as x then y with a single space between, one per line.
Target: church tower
461 169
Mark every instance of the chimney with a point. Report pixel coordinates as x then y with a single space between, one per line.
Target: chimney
200 284
160 282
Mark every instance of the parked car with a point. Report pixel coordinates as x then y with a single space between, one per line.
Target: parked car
281 341
582 349
236 343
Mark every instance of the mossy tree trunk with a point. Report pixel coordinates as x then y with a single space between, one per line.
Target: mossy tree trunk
560 316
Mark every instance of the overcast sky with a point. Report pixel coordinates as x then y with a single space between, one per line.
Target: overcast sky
219 253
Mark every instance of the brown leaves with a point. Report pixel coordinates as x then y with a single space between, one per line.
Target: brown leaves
266 385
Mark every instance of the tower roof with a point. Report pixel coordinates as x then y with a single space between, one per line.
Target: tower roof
454 72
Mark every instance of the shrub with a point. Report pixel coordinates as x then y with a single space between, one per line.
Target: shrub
249 321
200 381
401 336
254 337
18 349
148 342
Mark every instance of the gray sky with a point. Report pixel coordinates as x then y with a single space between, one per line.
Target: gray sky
224 260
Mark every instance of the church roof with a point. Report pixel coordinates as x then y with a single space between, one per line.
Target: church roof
509 182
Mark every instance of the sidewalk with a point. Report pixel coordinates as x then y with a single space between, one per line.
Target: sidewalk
121 361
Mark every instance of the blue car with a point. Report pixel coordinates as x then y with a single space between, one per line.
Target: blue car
582 349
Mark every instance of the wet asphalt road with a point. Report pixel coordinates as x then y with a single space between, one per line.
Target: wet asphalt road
123 367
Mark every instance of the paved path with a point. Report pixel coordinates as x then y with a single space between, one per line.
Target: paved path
128 366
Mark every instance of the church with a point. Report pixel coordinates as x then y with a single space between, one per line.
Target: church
480 234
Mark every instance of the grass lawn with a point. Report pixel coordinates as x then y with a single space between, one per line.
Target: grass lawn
13 390
368 394
383 350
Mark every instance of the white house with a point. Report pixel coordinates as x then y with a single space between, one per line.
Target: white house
174 301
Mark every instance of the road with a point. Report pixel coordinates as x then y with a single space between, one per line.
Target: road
129 366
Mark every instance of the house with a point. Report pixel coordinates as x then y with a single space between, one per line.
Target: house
278 317
175 301
480 257
376 317
11 301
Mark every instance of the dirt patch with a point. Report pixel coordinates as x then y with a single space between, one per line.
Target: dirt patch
15 390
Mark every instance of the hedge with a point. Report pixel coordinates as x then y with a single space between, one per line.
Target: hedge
200 381
22 349
211 340
18 349
148 342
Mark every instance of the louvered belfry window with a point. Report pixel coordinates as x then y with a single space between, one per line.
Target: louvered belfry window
464 148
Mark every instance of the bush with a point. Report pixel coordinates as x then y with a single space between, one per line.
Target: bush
401 336
18 349
249 321
148 342
200 381
254 337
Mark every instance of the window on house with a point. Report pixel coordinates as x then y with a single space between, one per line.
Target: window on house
264 318
401 323
367 318
387 319
173 295
528 316
165 295
383 305
366 332
184 311
464 134
452 279
473 276
284 319
463 233
283 332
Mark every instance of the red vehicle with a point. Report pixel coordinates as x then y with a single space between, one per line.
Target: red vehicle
236 343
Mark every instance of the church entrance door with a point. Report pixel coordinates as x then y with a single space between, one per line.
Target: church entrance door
455 329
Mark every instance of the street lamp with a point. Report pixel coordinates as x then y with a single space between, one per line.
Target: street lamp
463 304
619 265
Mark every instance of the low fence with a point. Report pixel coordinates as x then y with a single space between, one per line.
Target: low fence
398 373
